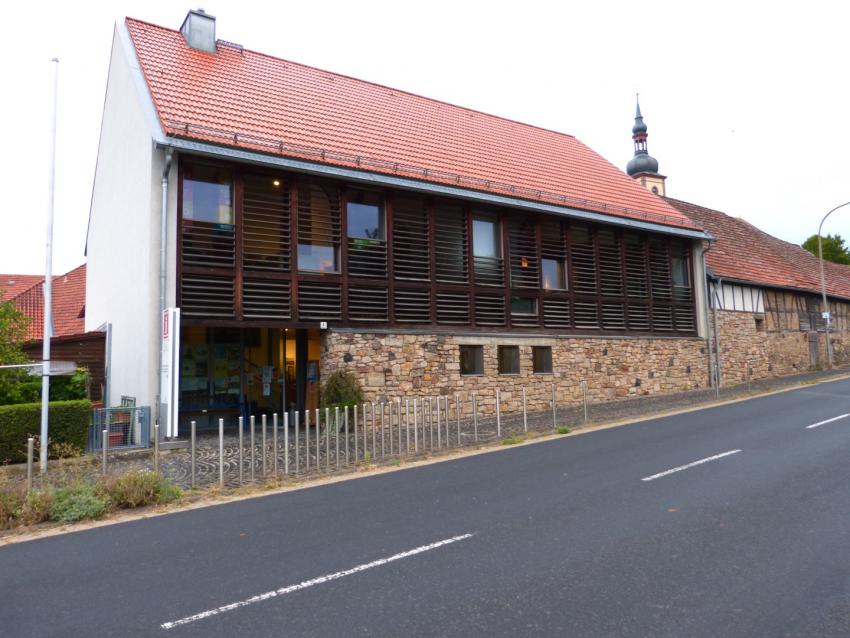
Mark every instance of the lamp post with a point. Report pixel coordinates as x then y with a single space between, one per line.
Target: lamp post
827 316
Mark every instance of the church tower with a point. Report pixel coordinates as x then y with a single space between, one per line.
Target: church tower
643 167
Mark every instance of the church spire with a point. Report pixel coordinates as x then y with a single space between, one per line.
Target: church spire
643 166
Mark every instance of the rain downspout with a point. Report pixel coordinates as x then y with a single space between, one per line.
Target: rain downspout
718 367
163 245
713 378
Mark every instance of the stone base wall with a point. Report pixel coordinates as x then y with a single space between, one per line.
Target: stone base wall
769 354
391 366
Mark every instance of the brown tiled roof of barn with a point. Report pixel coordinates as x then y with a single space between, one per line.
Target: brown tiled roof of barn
745 253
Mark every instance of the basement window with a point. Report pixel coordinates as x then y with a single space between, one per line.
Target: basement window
508 359
471 360
542 359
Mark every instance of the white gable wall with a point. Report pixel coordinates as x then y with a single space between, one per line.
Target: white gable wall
122 279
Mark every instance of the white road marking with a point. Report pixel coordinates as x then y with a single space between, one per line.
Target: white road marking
820 423
310 583
689 465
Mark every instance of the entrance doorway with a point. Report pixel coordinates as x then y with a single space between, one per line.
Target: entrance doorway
232 372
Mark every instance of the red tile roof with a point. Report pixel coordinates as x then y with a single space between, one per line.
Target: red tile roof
13 285
69 303
249 100
745 253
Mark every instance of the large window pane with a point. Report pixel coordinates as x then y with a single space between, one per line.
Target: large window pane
315 257
523 306
365 215
485 239
542 359
554 277
208 194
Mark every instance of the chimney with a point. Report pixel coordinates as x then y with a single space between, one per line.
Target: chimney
199 30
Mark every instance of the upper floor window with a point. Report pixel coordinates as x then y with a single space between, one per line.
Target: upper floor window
553 273
365 215
318 228
485 238
208 194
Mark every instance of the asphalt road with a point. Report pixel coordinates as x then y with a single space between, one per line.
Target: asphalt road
561 538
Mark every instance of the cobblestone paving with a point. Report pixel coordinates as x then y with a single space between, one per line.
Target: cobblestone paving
337 452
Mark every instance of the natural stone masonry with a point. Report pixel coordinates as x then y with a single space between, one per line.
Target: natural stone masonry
769 354
391 366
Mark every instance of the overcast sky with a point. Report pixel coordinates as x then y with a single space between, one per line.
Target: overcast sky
747 103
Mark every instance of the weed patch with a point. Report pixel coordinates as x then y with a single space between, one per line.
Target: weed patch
140 488
77 502
564 430
511 440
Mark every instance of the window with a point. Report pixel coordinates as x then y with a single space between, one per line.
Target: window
485 238
524 306
554 275
542 359
365 215
318 228
208 194
679 266
508 359
471 360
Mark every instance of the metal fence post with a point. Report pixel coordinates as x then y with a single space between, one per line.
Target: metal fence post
374 435
104 445
30 449
554 409
318 440
347 457
221 452
265 451
406 425
382 429
584 398
285 443
336 434
307 440
439 429
416 426
498 414
297 444
241 450
524 412
274 444
390 424
749 372
252 442
457 414
398 421
430 423
356 434
327 439
155 447
475 416
192 439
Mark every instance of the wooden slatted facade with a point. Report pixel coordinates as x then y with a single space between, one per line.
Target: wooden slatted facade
421 272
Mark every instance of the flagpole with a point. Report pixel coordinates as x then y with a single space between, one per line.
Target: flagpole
48 280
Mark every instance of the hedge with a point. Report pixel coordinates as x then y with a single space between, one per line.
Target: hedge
68 421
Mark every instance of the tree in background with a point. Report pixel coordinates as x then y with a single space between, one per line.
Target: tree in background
834 249
15 385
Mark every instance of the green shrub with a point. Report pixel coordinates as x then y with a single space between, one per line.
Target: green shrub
564 430
77 502
68 420
140 487
341 388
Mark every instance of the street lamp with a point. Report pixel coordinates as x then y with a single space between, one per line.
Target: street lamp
823 284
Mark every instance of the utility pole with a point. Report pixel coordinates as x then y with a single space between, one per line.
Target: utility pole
826 314
48 280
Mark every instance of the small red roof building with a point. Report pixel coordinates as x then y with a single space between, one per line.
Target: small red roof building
69 303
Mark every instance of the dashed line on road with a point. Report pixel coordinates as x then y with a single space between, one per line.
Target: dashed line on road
820 423
313 581
689 465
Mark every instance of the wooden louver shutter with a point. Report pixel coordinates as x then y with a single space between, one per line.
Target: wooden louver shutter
524 263
411 237
318 215
583 249
265 225
451 242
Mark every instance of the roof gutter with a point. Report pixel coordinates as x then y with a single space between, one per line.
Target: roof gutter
391 181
